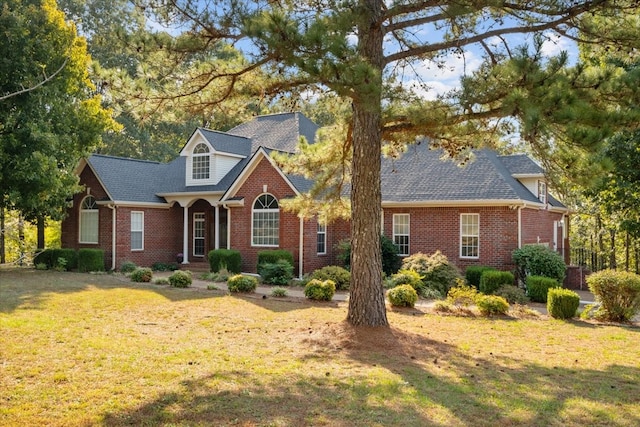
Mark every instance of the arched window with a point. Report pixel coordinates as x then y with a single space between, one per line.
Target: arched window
89 220
200 162
265 228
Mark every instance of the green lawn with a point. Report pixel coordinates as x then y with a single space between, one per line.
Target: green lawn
79 349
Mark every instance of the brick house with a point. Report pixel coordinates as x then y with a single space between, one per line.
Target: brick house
223 191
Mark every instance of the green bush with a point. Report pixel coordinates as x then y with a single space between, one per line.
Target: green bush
278 292
141 274
164 266
618 293
407 277
320 290
240 283
462 296
161 281
226 259
277 273
180 279
437 272
473 273
391 262
491 280
402 296
490 305
273 256
513 294
127 267
538 287
90 260
538 260
340 276
51 258
562 303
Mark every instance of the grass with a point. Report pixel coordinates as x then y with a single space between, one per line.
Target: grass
83 350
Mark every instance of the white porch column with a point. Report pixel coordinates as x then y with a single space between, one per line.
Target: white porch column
217 226
185 235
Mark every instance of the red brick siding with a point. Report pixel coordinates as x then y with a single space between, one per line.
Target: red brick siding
434 229
336 232
537 227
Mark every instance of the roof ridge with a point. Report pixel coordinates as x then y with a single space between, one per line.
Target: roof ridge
131 159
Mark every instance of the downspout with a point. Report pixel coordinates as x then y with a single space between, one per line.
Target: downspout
217 227
113 236
301 249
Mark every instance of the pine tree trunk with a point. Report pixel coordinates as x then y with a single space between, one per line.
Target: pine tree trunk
3 254
366 300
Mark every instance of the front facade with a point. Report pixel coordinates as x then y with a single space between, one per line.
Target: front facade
224 191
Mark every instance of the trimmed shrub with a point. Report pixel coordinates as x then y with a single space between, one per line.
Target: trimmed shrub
618 293
90 260
164 266
51 258
43 257
391 262
273 256
402 296
225 259
462 296
538 287
141 274
127 267
437 272
562 303
491 280
490 305
180 279
278 292
407 277
161 281
473 273
240 283
320 290
539 260
277 273
340 276
513 294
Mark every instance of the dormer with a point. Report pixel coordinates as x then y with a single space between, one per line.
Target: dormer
206 164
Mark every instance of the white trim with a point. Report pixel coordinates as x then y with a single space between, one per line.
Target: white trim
324 233
80 169
468 235
202 220
131 231
301 249
96 212
126 204
527 175
267 211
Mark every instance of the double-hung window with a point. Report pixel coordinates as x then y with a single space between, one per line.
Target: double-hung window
89 220
137 231
469 235
321 245
265 227
401 233
200 162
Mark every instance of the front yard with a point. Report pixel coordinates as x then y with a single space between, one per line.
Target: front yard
79 349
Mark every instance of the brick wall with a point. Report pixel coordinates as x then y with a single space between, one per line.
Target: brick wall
438 228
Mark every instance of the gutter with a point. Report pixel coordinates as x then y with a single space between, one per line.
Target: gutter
113 235
301 250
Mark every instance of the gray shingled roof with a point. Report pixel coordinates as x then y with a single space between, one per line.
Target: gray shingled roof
417 176
420 175
521 164
277 131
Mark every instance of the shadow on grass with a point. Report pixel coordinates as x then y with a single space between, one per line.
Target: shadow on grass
395 378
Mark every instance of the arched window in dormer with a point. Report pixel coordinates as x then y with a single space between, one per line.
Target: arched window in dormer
265 227
89 220
200 162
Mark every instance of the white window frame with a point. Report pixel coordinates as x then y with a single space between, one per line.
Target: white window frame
321 238
402 231
542 191
263 212
199 219
200 163
135 230
467 232
89 215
